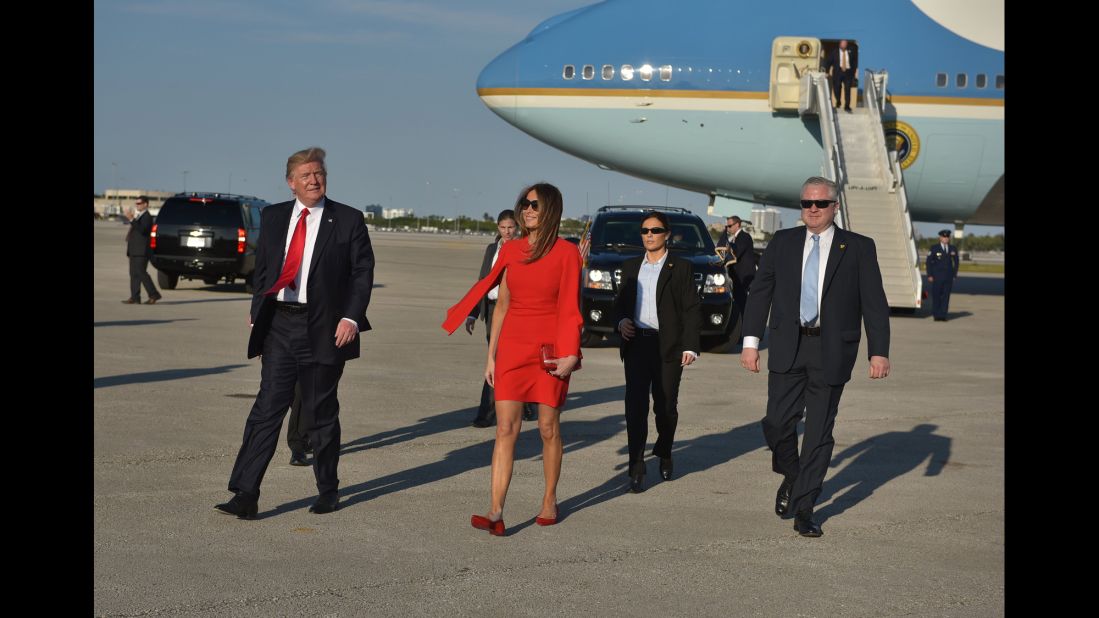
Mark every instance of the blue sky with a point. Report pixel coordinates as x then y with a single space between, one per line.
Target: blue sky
226 90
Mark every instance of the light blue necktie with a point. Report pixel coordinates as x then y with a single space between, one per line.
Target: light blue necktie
809 284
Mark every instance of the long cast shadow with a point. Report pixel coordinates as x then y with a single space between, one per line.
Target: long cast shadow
878 460
163 375
140 322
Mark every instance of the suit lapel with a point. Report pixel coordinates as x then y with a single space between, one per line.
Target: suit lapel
323 234
662 279
282 226
835 254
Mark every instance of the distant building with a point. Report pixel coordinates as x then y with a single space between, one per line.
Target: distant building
395 213
116 201
767 219
373 211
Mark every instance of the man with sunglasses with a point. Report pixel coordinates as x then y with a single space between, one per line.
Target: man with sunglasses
817 282
657 313
741 260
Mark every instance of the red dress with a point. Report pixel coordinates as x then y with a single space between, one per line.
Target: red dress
544 308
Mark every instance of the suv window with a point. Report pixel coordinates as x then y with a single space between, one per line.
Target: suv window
216 213
618 230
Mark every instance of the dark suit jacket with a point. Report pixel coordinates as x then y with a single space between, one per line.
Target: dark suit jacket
940 264
486 267
677 306
834 59
852 291
744 250
341 277
137 237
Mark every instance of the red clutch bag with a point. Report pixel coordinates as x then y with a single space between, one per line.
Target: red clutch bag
549 356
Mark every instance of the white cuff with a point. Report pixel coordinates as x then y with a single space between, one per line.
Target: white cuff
353 322
751 342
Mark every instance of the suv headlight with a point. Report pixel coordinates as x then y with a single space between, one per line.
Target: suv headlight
597 279
715 284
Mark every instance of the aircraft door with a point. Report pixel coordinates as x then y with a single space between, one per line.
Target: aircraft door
791 58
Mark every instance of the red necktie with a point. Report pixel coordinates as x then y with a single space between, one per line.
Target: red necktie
294 255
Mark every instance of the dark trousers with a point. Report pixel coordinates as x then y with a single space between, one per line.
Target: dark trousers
297 429
740 294
646 371
287 359
139 275
841 85
940 296
802 388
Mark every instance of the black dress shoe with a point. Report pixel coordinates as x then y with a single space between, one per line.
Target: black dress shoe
239 505
325 505
637 477
152 301
803 523
297 458
666 468
130 301
530 412
482 422
782 498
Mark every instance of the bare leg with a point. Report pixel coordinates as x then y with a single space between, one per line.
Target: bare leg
508 422
549 425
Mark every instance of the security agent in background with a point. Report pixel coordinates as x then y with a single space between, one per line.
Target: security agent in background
942 268
137 249
740 260
508 230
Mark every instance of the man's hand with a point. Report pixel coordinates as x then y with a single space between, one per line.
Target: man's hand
930 279
470 323
345 333
879 367
688 358
749 359
625 327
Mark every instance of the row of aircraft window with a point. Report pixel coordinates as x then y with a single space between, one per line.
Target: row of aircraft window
645 73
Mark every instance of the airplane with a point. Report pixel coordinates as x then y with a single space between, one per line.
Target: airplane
724 97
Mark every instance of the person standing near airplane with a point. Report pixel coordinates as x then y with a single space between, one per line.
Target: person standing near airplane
534 345
741 260
137 249
657 315
942 268
508 229
844 64
313 279
816 283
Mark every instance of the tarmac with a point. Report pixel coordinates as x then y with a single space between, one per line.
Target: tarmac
912 509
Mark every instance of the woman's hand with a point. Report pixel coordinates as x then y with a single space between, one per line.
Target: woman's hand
490 372
565 366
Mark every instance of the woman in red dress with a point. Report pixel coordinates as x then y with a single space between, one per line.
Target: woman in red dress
539 305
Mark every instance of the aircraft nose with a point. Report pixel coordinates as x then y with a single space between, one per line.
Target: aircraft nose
496 84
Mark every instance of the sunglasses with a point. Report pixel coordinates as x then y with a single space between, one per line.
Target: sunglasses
653 230
822 204
523 203
729 226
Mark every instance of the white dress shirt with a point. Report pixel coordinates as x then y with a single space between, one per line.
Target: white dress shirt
494 293
301 282
645 304
825 246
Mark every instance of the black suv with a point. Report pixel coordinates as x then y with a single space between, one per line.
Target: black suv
616 237
207 236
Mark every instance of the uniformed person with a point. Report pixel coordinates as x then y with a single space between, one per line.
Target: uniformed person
942 267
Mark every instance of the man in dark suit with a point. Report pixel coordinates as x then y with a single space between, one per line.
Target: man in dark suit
817 282
844 64
740 260
137 249
508 230
313 278
942 268
657 313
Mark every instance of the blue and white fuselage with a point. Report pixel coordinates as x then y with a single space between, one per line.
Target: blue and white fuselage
677 92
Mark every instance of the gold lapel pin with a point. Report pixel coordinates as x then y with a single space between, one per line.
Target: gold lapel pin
842 246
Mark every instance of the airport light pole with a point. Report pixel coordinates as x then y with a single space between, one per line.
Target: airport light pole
185 172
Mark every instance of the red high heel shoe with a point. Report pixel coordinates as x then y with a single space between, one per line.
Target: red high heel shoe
495 528
549 521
